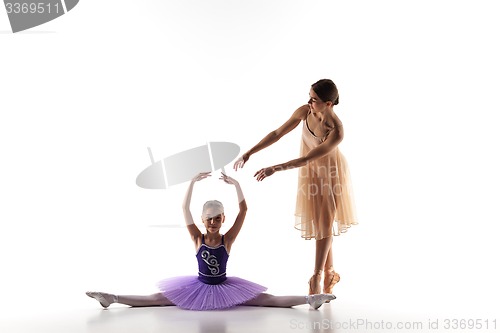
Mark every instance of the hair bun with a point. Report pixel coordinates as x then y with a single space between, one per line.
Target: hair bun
326 91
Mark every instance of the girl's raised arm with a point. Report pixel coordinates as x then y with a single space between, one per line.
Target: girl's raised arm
188 217
231 234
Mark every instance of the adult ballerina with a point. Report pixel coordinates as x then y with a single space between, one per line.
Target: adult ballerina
324 204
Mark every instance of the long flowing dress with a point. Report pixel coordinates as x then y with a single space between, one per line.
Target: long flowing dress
325 203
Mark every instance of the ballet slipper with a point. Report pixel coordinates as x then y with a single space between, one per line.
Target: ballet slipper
314 283
104 299
315 301
331 279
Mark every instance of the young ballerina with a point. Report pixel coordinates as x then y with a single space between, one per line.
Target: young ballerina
324 205
211 289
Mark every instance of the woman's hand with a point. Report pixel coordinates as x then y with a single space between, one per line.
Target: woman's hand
263 173
240 162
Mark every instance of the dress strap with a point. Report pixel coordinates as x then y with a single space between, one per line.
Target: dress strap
222 240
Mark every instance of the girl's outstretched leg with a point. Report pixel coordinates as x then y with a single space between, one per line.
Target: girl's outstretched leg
288 301
151 300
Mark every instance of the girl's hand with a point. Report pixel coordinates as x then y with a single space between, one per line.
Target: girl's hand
228 179
240 162
200 176
263 173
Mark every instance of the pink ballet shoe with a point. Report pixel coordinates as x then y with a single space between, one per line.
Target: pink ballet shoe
314 283
330 280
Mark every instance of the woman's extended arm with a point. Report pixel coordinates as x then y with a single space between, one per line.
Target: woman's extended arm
188 217
275 135
231 234
331 141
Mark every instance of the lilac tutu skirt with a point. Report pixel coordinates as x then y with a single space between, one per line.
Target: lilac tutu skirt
189 293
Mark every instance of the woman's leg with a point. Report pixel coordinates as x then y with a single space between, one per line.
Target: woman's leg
288 301
323 249
151 300
329 259
331 277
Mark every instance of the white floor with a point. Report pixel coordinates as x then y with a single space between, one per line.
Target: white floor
85 315
172 319
385 286
329 318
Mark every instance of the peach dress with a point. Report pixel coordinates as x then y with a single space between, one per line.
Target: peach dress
325 203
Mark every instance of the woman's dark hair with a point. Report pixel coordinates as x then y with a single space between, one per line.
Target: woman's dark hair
326 91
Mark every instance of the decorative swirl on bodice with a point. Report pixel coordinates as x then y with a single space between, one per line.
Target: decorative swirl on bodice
211 261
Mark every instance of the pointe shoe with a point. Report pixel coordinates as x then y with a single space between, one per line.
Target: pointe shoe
314 283
104 299
331 279
315 301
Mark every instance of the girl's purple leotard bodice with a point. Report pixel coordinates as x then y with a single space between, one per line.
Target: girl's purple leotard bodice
211 289
212 262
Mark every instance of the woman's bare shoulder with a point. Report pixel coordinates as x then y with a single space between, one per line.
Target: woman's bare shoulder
337 126
302 112
335 121
333 124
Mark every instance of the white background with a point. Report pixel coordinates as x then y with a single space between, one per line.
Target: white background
83 96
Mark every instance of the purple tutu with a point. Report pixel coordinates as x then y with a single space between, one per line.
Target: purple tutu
188 292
